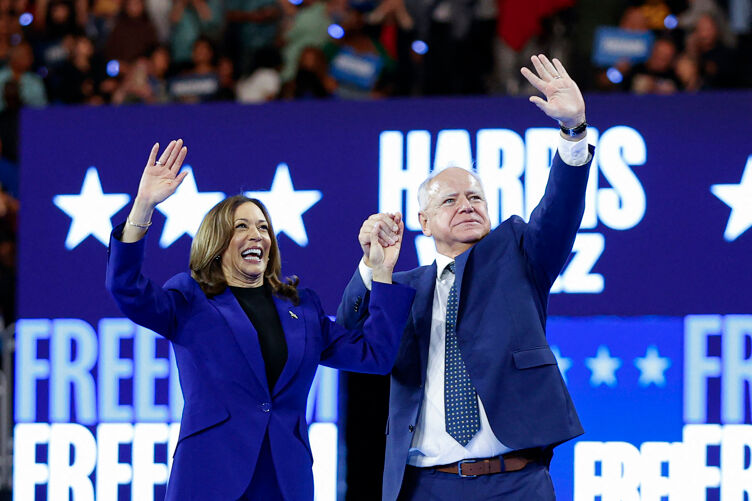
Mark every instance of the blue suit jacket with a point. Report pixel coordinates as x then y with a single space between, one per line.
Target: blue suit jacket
503 285
228 405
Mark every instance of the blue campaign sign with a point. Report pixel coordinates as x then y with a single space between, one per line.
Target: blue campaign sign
651 318
612 45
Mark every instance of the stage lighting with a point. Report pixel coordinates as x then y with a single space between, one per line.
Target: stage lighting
113 68
614 75
670 22
420 47
335 31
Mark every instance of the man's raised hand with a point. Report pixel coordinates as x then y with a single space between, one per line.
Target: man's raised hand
564 100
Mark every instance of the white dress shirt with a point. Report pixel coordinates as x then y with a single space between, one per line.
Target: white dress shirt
432 445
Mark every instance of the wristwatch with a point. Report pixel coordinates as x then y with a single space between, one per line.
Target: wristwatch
574 131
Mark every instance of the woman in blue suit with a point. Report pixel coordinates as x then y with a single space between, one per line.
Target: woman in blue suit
247 343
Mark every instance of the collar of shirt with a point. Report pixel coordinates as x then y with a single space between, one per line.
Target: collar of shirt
442 262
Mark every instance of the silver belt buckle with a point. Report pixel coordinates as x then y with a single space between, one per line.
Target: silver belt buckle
459 467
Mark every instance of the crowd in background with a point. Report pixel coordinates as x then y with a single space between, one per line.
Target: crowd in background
117 52
156 51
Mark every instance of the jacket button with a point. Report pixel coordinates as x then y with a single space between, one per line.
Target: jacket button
266 406
411 428
358 300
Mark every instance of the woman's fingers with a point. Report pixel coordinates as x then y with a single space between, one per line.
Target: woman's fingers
166 153
176 147
175 168
180 178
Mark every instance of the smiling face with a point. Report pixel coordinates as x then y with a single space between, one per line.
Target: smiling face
246 257
456 214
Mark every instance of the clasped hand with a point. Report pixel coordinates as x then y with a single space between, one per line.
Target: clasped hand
380 238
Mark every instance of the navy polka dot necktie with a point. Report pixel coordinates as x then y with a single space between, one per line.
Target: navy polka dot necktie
460 400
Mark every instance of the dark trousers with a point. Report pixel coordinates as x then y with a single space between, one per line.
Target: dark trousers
532 483
264 485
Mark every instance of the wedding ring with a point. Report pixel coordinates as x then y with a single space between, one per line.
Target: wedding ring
158 163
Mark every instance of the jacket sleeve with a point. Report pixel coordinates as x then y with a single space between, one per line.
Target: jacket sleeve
140 299
549 236
353 309
371 346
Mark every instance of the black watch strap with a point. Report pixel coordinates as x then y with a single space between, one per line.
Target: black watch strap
574 130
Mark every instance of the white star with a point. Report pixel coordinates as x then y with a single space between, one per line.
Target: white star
286 206
90 211
603 366
739 198
564 363
185 209
652 366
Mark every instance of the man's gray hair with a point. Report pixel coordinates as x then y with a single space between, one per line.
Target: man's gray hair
423 188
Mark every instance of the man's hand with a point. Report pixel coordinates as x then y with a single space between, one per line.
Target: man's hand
388 232
382 258
564 100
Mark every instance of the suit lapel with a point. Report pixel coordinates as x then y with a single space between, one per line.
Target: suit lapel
293 325
245 335
463 337
423 311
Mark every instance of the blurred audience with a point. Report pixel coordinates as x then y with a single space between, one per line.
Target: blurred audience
191 19
133 35
358 60
250 25
265 82
312 80
8 232
308 26
157 51
31 89
716 60
199 82
657 75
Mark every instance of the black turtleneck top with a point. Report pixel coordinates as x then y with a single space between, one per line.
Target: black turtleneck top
258 304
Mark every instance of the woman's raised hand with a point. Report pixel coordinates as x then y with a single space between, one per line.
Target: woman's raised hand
162 177
160 180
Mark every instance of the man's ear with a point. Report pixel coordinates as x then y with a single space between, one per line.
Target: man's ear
424 223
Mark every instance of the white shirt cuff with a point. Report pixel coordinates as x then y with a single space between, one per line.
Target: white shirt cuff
574 153
366 274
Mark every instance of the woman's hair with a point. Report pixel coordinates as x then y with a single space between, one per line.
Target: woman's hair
213 238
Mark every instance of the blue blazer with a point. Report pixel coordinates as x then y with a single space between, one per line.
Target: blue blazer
503 284
228 405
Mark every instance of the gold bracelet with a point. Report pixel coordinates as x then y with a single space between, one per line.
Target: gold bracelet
137 225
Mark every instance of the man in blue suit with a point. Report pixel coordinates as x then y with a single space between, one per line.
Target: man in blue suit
477 402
